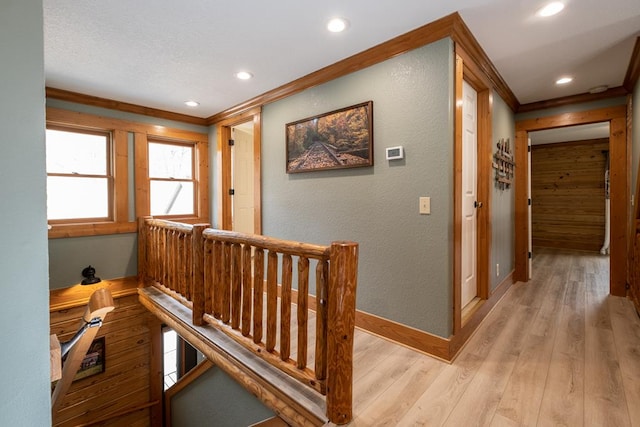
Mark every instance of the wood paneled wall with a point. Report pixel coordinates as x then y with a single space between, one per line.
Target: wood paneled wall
568 194
122 395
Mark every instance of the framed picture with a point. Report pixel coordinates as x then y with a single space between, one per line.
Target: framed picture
334 140
94 361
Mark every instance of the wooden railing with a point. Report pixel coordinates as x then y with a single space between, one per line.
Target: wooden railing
221 276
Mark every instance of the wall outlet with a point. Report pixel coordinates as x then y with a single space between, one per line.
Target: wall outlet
498 270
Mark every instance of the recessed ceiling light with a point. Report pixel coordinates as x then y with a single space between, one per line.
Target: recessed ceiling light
244 75
564 80
551 9
337 25
191 103
599 89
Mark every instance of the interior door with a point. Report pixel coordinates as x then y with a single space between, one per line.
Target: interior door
242 178
469 193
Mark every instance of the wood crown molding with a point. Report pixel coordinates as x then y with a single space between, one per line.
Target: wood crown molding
79 98
573 99
461 34
633 70
449 26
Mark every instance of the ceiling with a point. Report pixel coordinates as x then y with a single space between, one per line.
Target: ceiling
160 53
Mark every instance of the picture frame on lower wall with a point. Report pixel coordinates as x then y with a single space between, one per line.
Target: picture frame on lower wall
335 140
94 361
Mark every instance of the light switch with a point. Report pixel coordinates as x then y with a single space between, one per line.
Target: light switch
425 205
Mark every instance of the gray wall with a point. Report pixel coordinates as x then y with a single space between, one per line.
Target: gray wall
113 256
215 399
24 310
502 201
405 269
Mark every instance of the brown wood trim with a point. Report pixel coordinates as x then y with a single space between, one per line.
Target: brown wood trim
485 159
458 341
620 181
58 116
59 231
78 295
182 383
573 99
257 172
421 36
473 51
633 70
521 207
156 369
224 170
570 119
406 335
79 98
121 178
457 197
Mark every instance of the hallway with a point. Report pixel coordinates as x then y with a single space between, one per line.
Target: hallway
555 351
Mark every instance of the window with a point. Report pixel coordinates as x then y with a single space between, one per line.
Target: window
104 173
171 179
79 177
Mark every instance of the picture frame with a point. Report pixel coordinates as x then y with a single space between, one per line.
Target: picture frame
94 361
335 140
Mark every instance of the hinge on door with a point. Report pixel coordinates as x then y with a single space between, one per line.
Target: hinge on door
529 254
232 192
529 202
528 148
231 143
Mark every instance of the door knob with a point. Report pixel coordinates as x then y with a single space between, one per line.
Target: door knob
477 204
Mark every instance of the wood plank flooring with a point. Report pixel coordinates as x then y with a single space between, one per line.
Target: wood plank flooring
556 351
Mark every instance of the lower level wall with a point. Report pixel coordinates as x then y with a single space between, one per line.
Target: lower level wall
122 394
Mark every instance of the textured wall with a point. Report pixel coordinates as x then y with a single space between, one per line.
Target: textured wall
113 256
502 201
24 316
216 399
405 270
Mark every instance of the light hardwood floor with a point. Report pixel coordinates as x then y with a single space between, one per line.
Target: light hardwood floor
556 351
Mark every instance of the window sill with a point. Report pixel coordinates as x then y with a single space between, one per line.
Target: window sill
58 231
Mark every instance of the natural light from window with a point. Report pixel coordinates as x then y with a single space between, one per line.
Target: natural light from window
171 179
77 174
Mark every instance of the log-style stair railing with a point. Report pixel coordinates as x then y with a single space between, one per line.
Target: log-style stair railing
243 285
100 303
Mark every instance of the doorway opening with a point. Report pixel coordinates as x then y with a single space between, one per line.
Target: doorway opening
615 118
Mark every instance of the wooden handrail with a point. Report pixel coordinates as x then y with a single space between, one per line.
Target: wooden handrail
100 303
232 281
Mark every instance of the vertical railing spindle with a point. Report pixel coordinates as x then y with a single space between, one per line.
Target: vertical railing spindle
258 277
285 308
322 272
236 284
303 295
246 290
272 300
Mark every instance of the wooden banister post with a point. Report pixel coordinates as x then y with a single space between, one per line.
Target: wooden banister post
143 241
341 297
197 279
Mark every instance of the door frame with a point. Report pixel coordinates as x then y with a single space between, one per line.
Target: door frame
619 184
224 168
466 69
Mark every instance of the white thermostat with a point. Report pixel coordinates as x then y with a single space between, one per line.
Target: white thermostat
395 153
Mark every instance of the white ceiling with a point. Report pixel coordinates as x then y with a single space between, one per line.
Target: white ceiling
161 53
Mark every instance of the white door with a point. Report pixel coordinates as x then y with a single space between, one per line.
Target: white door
243 209
469 193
